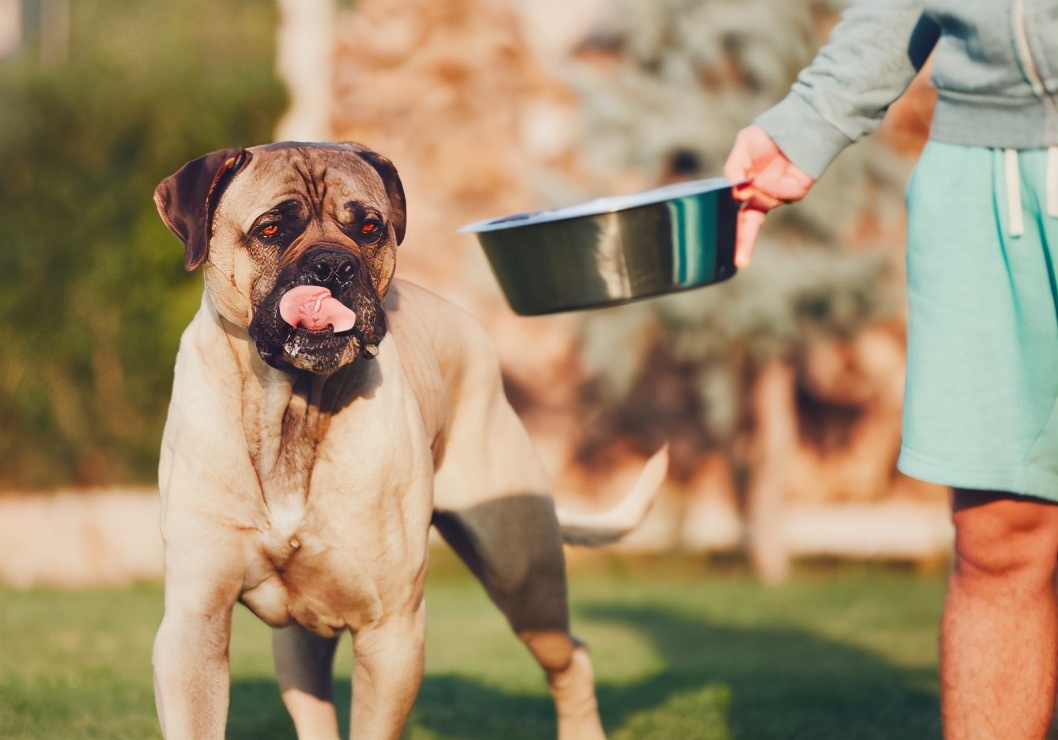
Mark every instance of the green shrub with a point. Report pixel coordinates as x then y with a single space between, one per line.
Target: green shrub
94 294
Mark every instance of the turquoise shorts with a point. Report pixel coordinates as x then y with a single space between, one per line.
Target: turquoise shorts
981 400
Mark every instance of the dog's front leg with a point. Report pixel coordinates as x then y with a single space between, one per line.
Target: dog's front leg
389 667
191 673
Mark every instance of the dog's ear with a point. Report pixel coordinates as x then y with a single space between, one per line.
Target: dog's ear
187 199
394 187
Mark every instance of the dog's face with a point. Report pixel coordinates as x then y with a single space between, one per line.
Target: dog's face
298 244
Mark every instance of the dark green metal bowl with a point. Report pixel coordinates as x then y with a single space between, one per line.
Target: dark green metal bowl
613 250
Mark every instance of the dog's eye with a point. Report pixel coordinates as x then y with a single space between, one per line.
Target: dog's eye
371 230
269 230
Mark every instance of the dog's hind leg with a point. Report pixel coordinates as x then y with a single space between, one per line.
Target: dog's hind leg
304 665
514 546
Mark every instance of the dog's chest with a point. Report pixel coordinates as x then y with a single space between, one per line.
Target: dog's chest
311 578
303 560
283 426
351 557
348 498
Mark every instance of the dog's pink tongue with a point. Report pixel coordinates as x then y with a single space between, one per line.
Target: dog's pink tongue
314 308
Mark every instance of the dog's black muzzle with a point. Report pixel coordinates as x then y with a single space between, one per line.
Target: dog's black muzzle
345 275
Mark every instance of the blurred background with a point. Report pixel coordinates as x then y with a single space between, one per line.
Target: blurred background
779 391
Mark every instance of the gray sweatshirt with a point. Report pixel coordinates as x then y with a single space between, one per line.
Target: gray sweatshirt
995 67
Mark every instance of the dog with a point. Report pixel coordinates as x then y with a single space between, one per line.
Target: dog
324 416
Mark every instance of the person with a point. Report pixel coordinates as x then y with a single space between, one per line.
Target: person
981 395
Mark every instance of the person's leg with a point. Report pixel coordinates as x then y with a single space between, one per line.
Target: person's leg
999 632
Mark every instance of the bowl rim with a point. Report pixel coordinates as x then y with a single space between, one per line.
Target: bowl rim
600 206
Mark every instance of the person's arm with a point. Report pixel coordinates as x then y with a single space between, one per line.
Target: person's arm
870 59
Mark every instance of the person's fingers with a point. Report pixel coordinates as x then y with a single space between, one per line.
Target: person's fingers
766 192
761 201
752 151
736 168
793 184
782 180
742 191
768 183
762 178
748 227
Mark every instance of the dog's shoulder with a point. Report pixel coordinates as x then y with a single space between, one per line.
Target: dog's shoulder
460 349
436 321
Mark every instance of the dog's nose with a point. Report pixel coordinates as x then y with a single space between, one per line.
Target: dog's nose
328 266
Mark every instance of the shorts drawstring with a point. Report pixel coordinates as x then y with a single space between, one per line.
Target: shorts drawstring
1013 178
1051 187
1012 172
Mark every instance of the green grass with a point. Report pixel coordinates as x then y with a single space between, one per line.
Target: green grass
682 651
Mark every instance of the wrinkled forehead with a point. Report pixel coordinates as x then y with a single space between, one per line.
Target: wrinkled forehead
323 178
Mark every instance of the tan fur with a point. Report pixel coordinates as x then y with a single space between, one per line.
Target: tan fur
309 497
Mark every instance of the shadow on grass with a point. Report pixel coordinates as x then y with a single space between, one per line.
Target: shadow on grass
257 713
781 682
718 682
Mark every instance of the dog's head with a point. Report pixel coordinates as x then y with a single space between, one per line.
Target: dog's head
298 244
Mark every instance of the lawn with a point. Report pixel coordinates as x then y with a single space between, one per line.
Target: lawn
683 650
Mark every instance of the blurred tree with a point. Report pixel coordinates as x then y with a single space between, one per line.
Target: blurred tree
665 86
94 295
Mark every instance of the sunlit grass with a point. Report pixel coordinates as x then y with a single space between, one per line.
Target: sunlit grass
681 650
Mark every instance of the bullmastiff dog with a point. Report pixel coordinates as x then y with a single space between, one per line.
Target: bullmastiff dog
323 416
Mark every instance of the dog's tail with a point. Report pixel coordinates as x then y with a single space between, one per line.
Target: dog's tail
595 529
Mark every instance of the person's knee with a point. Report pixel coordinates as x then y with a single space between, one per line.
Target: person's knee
998 535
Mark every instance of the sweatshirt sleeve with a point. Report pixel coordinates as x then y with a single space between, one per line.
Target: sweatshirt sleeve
870 59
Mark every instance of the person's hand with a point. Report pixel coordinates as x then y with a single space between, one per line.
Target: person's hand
763 178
